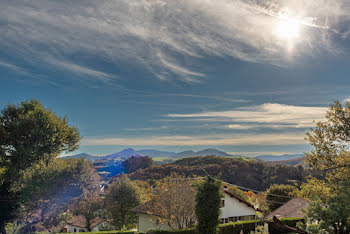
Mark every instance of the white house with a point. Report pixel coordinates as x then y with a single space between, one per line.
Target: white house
233 209
79 224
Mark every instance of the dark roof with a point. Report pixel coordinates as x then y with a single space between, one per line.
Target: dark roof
291 209
80 221
241 200
149 208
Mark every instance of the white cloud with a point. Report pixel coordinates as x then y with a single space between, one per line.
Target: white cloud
81 69
208 140
277 115
161 35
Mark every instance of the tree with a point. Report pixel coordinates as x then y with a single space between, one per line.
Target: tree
208 204
120 198
331 156
90 206
174 200
333 212
278 194
30 134
330 140
46 192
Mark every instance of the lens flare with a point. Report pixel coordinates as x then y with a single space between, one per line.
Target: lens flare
288 29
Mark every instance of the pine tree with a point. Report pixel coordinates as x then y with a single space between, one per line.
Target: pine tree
208 203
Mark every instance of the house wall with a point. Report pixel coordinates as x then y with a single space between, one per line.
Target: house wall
100 226
70 228
234 208
149 222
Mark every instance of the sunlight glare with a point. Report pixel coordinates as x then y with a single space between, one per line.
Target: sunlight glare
288 29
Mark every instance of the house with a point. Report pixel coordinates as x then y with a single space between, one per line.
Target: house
79 224
233 209
294 208
291 209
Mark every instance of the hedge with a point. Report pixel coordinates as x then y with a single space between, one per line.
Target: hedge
291 222
236 227
111 232
227 228
183 231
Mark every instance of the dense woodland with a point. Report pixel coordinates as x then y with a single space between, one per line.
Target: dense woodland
247 173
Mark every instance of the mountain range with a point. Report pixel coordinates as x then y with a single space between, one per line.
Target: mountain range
126 153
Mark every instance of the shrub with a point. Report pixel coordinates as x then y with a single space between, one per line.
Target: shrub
183 231
236 227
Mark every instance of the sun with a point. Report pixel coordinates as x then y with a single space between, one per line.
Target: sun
288 29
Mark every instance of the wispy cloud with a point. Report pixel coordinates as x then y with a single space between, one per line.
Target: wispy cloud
270 115
161 35
208 140
75 68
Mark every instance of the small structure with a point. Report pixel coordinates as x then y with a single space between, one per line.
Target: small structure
233 209
79 224
291 209
294 208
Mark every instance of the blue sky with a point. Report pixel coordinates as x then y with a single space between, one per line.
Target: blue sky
178 75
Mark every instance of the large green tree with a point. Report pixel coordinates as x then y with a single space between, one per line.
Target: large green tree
330 158
49 191
121 197
330 140
208 204
30 134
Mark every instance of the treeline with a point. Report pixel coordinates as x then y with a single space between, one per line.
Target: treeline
247 173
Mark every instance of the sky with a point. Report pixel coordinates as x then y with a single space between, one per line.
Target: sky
248 77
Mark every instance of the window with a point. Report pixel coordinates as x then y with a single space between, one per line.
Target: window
226 220
81 230
222 203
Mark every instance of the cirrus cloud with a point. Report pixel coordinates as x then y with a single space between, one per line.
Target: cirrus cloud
165 37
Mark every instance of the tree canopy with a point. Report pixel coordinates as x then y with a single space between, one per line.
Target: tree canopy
120 198
30 134
208 204
330 157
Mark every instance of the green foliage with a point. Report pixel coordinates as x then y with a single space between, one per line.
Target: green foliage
330 156
111 232
333 212
236 227
120 198
30 134
314 188
52 189
183 231
330 140
208 204
283 191
252 174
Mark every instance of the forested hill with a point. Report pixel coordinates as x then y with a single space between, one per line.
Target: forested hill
252 174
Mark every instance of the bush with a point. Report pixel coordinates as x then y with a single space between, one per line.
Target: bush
184 231
291 222
236 227
111 232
